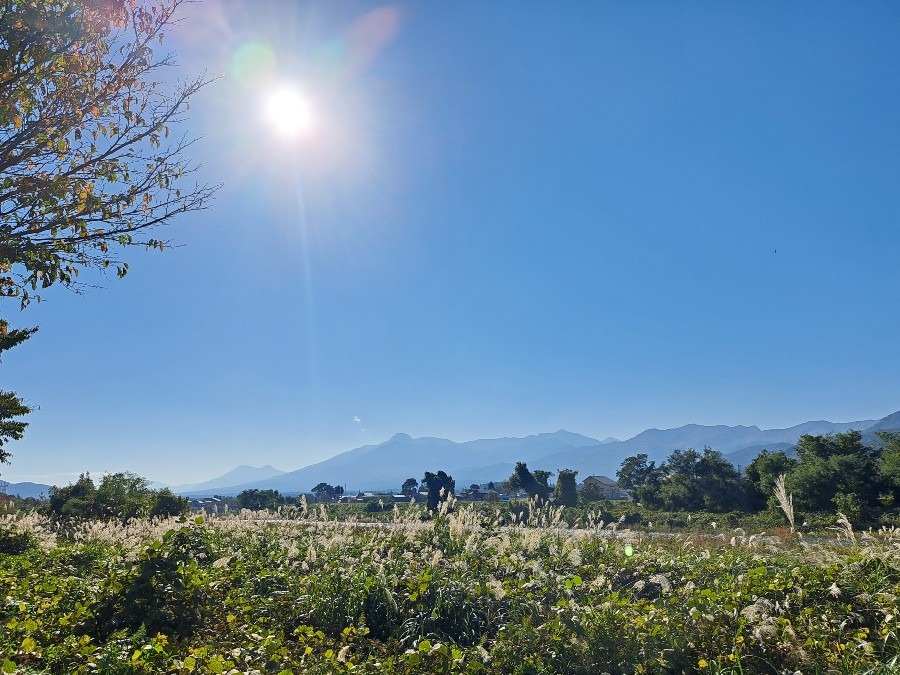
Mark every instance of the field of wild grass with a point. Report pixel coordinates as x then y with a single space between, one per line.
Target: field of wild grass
298 592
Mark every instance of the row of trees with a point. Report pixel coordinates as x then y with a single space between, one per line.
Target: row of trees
120 496
536 484
830 472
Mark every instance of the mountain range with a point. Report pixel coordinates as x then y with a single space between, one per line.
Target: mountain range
386 465
237 476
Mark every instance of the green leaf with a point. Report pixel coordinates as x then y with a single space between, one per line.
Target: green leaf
8 667
189 663
28 644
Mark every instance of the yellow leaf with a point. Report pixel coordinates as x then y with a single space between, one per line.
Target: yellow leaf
17 121
28 644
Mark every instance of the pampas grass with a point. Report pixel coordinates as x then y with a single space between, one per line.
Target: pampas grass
785 500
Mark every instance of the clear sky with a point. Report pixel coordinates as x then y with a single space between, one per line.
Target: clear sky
503 218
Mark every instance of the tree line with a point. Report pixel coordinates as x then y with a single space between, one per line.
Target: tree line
119 496
831 472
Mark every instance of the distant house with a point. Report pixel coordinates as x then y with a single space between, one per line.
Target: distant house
607 487
480 495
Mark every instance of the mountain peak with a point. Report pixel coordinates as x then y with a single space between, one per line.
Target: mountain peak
399 438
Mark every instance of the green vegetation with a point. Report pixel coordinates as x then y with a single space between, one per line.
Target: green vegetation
326 492
120 496
11 406
566 491
440 486
833 472
452 594
534 483
410 487
256 500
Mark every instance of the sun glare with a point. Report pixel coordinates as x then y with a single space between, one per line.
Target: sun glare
289 112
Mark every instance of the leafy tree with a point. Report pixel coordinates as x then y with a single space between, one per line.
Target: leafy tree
761 475
833 468
440 486
566 487
11 406
75 500
257 500
636 471
85 157
123 495
525 480
543 477
889 464
167 504
324 492
410 486
643 478
699 482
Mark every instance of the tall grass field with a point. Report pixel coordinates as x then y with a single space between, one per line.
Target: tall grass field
300 592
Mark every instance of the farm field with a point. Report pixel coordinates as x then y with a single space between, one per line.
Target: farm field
297 592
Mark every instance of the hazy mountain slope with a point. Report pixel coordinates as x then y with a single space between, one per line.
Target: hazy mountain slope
385 466
741 458
241 474
658 444
28 489
889 423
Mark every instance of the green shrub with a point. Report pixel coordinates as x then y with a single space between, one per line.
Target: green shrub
165 590
14 542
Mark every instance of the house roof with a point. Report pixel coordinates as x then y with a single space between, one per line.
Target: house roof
603 480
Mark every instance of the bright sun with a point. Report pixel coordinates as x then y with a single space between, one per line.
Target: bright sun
289 112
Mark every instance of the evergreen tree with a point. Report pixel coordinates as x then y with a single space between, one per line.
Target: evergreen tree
566 488
525 480
440 486
12 408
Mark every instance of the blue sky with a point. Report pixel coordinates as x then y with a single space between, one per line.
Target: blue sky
509 218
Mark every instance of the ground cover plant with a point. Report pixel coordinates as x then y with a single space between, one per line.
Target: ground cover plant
297 591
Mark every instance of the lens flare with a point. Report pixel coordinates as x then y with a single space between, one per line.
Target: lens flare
253 63
289 112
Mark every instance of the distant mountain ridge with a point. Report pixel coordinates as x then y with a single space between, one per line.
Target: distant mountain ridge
386 465
28 489
238 475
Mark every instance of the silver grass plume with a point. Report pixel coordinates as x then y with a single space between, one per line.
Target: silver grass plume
785 501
